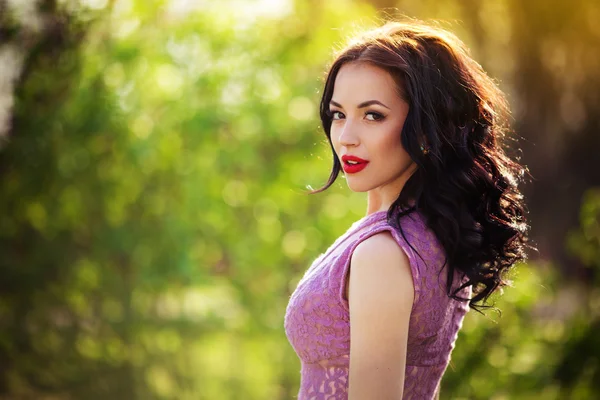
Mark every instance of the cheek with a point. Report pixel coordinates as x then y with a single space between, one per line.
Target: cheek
391 142
391 146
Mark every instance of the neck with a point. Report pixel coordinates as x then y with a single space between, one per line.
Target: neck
381 198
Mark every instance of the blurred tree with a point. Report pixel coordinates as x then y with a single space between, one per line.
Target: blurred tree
147 203
582 353
557 83
154 221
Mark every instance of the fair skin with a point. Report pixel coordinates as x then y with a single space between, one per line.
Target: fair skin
368 116
371 132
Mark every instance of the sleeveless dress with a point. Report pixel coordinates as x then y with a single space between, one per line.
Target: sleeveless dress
317 320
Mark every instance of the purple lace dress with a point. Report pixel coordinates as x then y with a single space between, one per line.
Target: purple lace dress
317 321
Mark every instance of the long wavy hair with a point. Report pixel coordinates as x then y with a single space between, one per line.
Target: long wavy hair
465 186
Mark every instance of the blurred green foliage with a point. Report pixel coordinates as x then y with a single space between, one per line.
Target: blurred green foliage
155 217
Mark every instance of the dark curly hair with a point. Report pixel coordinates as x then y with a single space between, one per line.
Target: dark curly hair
466 186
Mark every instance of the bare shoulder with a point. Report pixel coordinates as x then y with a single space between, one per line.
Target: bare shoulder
378 262
380 245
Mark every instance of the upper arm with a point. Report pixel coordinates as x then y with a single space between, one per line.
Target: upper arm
381 295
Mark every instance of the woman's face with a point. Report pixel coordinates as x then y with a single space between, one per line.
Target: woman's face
367 120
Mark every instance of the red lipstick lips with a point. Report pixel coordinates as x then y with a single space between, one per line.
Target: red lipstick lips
353 164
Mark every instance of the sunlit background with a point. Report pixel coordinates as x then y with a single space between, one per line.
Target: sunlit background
154 163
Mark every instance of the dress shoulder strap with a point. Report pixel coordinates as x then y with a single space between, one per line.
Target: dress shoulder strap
420 245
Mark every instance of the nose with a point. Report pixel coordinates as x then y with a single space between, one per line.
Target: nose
348 135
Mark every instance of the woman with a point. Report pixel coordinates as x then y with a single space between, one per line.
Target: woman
416 123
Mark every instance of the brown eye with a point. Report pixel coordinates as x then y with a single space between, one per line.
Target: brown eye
336 115
374 116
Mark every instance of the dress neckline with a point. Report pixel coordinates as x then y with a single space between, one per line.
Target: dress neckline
357 226
367 219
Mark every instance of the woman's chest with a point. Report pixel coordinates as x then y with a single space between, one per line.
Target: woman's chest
316 323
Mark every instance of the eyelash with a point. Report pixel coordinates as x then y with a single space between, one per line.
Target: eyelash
377 116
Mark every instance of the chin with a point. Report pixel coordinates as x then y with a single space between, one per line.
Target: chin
357 186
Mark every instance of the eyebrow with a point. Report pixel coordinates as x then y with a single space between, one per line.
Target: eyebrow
361 105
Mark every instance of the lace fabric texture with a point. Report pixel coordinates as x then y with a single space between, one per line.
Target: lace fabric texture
317 320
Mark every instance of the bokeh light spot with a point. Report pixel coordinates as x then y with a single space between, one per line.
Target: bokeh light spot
294 243
168 79
335 206
301 108
235 193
